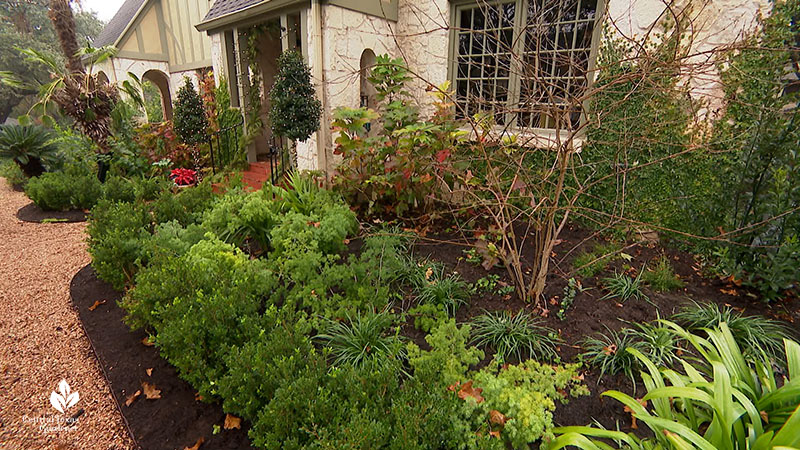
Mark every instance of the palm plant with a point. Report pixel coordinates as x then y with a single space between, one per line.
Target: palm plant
30 147
515 335
724 401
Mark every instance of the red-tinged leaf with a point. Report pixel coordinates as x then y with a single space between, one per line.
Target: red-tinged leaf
147 342
232 422
96 304
468 391
496 417
407 173
442 155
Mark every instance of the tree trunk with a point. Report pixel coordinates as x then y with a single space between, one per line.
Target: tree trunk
64 22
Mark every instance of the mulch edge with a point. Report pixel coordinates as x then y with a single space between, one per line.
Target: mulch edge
33 214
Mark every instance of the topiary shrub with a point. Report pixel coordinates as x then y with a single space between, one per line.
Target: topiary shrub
295 111
61 191
189 117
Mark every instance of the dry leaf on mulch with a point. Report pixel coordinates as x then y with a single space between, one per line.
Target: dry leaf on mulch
96 304
196 445
132 398
232 422
146 341
149 372
150 391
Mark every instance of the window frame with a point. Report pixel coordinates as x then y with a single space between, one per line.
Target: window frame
536 135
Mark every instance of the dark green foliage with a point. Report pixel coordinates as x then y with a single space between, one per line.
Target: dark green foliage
591 263
515 336
60 191
189 117
119 189
13 174
294 111
622 288
363 340
609 352
756 335
186 207
433 286
30 147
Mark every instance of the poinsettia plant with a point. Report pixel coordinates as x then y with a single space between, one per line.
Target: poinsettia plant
183 177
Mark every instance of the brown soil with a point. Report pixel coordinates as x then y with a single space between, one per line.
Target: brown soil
588 314
177 419
32 213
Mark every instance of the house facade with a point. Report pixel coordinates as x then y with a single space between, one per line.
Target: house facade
471 43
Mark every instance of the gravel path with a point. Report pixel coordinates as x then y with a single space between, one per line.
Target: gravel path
42 342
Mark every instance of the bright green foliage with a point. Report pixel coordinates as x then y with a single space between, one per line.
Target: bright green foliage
723 401
294 109
591 263
661 277
448 359
60 191
364 340
622 288
514 336
31 147
433 286
13 174
391 159
189 117
656 341
755 335
526 395
427 316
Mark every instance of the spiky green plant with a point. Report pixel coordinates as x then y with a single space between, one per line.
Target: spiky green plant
364 339
624 288
30 147
515 336
608 352
657 342
661 277
724 401
754 334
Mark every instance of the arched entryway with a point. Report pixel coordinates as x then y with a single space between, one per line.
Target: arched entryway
368 93
161 81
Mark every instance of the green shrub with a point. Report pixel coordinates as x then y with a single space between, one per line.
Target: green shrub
295 110
525 397
448 359
515 336
661 277
13 174
186 207
189 117
119 189
723 401
117 233
60 191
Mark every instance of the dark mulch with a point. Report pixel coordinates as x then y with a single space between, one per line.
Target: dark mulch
589 315
32 213
176 420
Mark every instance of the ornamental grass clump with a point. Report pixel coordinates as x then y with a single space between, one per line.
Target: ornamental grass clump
515 336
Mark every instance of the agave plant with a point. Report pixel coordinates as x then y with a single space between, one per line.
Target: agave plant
31 147
723 401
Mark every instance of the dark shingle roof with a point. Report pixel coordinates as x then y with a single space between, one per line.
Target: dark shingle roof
118 23
223 7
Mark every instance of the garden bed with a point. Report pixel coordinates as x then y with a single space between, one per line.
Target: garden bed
32 213
177 419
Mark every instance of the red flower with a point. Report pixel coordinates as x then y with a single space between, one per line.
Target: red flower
183 177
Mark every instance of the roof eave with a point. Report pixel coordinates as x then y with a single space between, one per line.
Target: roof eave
131 22
246 14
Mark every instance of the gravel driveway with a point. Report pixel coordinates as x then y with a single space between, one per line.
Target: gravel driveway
42 342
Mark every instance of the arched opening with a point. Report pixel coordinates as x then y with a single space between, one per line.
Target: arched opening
155 83
368 97
102 78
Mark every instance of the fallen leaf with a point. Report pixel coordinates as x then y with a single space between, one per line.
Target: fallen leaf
610 350
198 397
497 417
132 398
96 304
467 391
147 342
150 391
149 372
731 292
495 434
232 422
196 445
428 273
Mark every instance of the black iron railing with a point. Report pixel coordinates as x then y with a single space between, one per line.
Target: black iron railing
223 146
280 163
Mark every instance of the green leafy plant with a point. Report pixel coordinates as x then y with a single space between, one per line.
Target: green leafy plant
623 288
60 191
590 263
30 147
657 341
13 174
724 401
755 335
363 340
295 111
661 277
515 336
433 286
448 359
189 117
572 289
608 352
